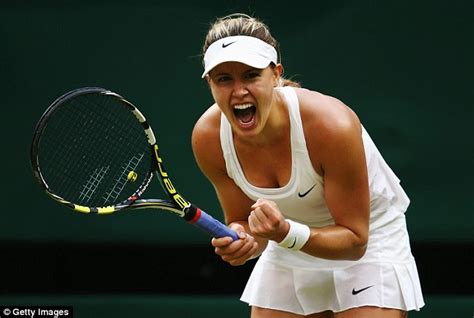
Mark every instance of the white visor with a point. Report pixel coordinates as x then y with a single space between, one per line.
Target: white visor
244 49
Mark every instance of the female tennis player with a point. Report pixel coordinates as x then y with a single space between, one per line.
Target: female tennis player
301 181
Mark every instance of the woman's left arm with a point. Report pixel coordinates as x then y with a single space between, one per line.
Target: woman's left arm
338 151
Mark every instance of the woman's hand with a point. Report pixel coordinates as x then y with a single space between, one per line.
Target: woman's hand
266 221
236 252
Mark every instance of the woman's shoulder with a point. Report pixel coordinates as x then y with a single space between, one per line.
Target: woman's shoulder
324 113
328 124
206 141
208 123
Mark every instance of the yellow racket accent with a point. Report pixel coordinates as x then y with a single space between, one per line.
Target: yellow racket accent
132 176
81 208
106 210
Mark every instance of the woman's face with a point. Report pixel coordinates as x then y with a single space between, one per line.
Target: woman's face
244 94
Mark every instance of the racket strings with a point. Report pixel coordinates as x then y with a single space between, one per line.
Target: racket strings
122 180
92 184
89 146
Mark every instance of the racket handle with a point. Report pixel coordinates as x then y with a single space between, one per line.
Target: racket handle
210 225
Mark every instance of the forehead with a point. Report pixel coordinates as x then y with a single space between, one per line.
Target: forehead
232 67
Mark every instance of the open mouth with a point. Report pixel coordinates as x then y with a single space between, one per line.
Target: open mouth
245 113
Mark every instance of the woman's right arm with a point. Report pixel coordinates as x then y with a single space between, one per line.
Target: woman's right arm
235 204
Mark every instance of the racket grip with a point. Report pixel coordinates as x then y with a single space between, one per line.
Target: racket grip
210 225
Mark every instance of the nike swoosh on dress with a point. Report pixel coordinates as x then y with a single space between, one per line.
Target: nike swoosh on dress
302 195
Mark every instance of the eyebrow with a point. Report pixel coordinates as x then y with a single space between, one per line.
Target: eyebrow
250 69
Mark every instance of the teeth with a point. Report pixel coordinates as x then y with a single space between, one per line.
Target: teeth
243 106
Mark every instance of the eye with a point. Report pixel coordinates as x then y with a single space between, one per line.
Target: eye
252 74
223 78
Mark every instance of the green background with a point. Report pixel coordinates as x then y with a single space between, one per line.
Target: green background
405 67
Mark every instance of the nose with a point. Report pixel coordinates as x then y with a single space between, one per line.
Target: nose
239 89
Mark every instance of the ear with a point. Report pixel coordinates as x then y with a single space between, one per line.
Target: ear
277 72
207 78
279 69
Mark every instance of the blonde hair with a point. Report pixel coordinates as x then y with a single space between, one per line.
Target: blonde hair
242 24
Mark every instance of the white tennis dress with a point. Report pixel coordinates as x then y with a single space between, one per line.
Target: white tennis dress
386 276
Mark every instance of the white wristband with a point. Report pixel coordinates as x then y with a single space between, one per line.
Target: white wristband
297 236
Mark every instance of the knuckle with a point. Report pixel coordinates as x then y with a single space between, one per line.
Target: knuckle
268 228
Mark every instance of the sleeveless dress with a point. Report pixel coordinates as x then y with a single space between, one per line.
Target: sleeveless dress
293 281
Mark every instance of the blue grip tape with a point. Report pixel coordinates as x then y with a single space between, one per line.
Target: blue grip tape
214 227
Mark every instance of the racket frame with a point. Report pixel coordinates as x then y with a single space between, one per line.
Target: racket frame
177 203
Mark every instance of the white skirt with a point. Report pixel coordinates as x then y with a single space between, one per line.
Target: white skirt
295 282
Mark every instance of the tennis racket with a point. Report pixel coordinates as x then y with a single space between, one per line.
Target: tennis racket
94 152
